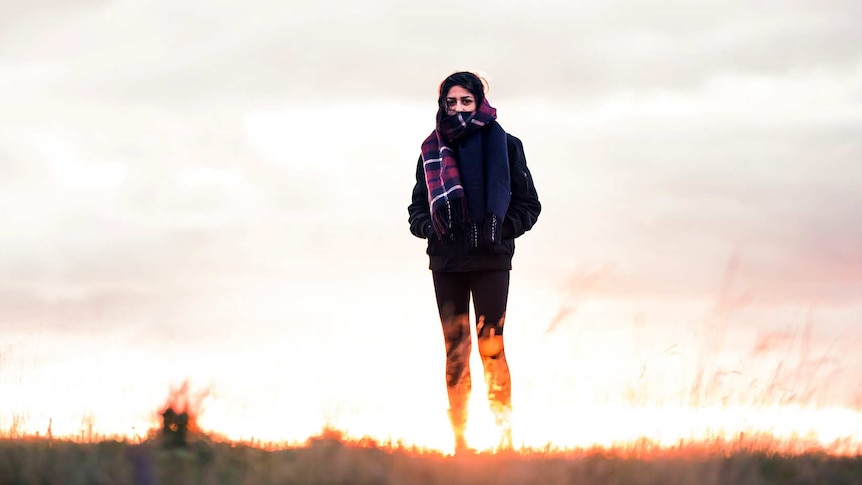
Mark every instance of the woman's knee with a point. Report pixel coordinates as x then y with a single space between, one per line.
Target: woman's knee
491 346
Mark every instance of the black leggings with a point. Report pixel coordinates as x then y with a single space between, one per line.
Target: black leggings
490 291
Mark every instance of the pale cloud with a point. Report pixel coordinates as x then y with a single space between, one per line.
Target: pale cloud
158 52
150 147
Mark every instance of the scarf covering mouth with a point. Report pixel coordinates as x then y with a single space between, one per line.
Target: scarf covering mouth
469 187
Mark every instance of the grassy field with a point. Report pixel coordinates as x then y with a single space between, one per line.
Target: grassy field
326 460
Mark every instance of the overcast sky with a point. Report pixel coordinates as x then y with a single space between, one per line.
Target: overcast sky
171 167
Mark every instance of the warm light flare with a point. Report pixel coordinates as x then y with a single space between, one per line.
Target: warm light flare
591 386
627 431
638 431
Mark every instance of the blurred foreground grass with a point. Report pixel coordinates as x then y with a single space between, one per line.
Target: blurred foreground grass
332 461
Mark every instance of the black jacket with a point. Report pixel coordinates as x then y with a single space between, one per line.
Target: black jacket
455 254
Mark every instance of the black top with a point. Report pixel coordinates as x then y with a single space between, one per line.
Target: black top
454 253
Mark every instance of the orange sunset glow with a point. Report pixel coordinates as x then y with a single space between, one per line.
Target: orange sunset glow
628 394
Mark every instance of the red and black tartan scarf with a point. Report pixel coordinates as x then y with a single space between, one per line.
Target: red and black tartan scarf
470 188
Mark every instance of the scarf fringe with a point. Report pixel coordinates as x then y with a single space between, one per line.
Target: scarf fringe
447 216
485 232
481 233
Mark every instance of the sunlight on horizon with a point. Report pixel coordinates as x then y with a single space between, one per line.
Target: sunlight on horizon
582 386
778 429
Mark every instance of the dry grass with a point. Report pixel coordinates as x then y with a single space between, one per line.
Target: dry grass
328 460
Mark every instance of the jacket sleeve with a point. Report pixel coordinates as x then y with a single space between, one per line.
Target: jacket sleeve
418 210
524 206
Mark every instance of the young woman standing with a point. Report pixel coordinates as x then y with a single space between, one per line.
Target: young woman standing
473 196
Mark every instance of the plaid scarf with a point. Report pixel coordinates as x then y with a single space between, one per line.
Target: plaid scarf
469 188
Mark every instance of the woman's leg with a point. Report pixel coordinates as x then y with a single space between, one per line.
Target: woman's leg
453 303
490 295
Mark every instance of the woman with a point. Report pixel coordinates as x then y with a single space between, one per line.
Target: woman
473 196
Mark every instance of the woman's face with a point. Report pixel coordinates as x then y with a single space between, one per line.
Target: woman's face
459 100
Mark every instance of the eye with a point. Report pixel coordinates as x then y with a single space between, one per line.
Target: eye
468 101
450 102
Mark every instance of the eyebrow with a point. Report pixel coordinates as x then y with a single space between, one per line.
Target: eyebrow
463 98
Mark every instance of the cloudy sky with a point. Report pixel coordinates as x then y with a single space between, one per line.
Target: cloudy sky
198 189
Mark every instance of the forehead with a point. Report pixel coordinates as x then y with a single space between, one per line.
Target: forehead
458 92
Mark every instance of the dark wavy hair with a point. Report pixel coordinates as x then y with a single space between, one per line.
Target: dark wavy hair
468 81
